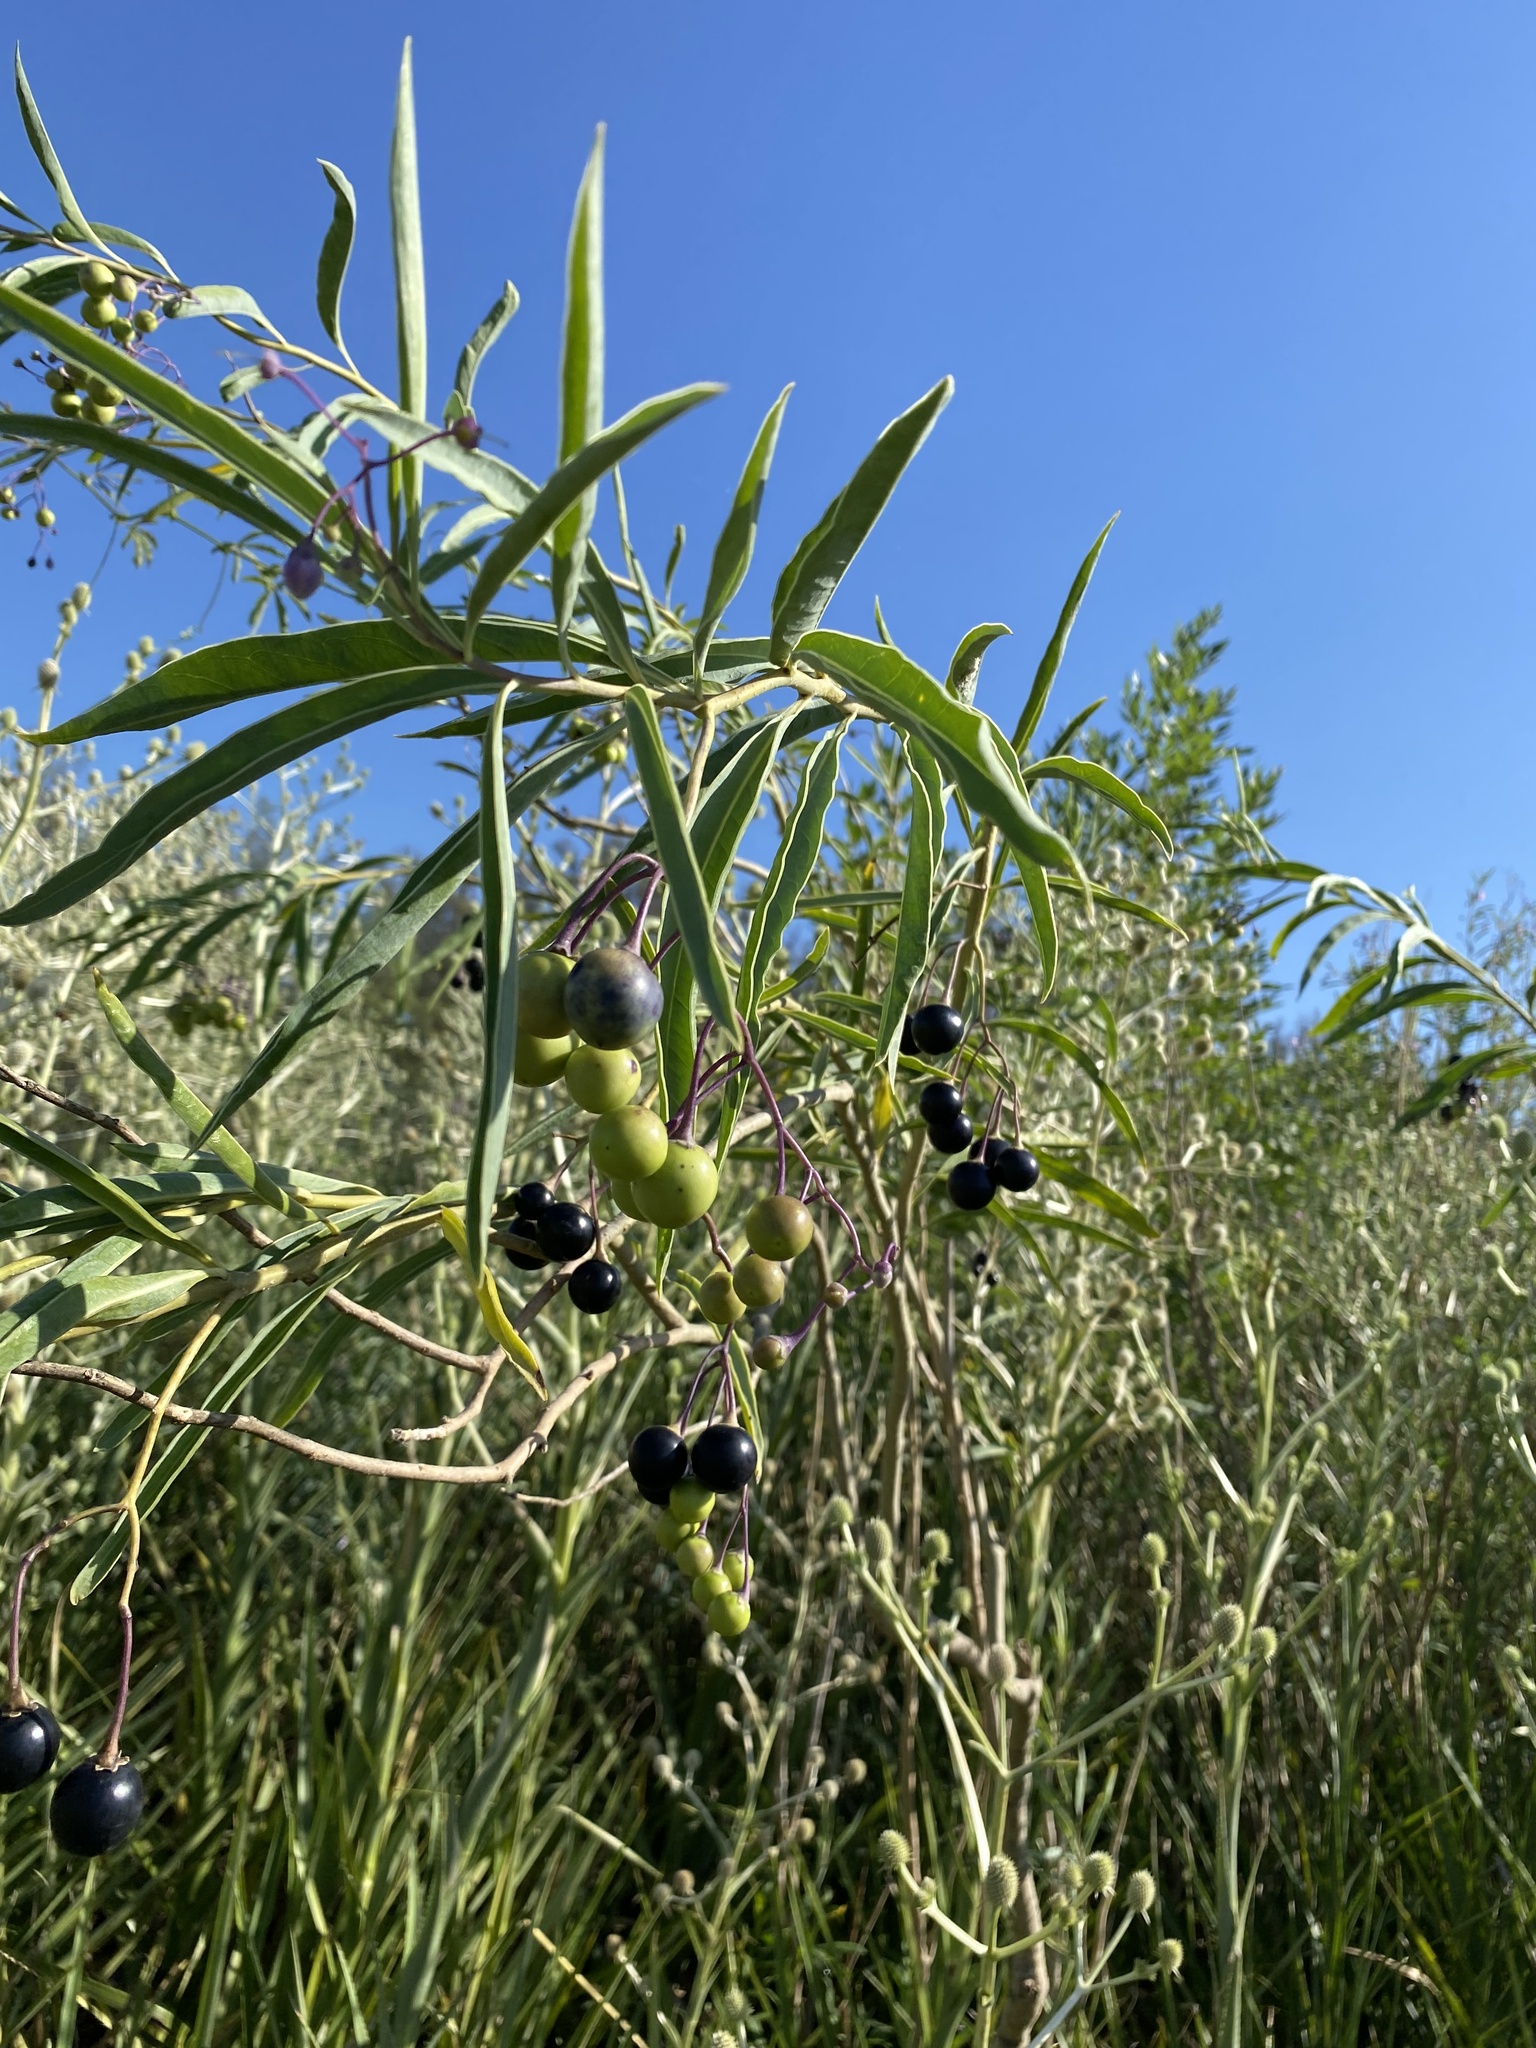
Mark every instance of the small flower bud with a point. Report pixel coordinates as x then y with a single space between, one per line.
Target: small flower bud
269 365
303 571
1140 1892
1000 1665
466 430
1170 1957
80 596
1154 1551
893 1852
684 1884
1099 1872
1264 1643
1000 1886
878 1541
1227 1626
855 1770
935 1548
47 674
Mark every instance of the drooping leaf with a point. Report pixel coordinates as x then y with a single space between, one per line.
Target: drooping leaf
581 377
821 561
480 344
690 899
733 550
335 253
925 845
498 1324
794 862
504 488
1092 775
965 662
217 302
1050 661
498 889
1037 888
1087 1187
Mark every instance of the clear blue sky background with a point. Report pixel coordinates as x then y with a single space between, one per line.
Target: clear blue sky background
1259 278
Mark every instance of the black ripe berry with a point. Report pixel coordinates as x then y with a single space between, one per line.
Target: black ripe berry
96 1809
937 1028
954 1136
724 1458
908 1042
940 1102
565 1231
595 1286
971 1185
532 1199
612 999
658 1461
1015 1168
29 1742
473 971
522 1247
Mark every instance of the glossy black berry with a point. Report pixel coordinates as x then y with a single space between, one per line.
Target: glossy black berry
940 1102
1015 1168
532 1199
937 1028
565 1231
29 1742
724 1458
971 1185
612 999
523 1247
954 1136
658 1461
908 1042
595 1286
95 1810
473 971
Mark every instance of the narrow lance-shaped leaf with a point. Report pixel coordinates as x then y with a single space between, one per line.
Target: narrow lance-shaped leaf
793 865
50 279
689 897
581 376
1103 782
498 887
48 156
965 662
913 923
480 344
820 562
733 550
566 485
1037 888
43 1314
106 1194
410 264
1050 661
335 254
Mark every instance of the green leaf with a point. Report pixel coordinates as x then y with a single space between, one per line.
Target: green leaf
925 845
235 763
1037 888
690 900
505 489
232 671
733 550
1082 1057
217 302
480 344
1490 1063
148 455
1087 1188
794 862
566 485
581 377
1050 661
1090 775
335 254
821 561
47 155
49 280
410 264
965 662
498 887
106 1194
602 600
88 1291
259 462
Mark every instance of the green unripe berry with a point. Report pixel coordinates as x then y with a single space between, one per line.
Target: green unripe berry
100 415
735 1569
1140 1892
691 1501
541 979
719 1301
536 1062
126 286
759 1281
779 1227
622 1196
96 278
121 328
46 516
768 1352
669 1531
680 1191
630 1143
104 392
69 405
835 1294
729 1614
601 1081
707 1588
694 1554
59 378
1000 1885
99 312
1099 1872
145 321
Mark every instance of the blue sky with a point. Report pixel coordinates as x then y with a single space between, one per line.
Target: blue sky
1259 279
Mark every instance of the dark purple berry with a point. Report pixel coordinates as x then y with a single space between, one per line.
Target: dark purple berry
724 1458
95 1809
971 1185
612 999
658 1461
1015 1168
908 1042
937 1028
522 1248
940 1102
29 1742
954 1136
595 1286
466 430
532 1199
270 365
473 972
565 1231
303 572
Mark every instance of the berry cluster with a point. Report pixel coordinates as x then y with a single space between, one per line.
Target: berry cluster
684 1486
96 1806
937 1030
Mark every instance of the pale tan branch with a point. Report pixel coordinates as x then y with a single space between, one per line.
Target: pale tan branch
99 1117
452 1424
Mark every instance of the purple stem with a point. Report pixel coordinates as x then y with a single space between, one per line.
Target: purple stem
578 920
632 943
681 1125
785 1135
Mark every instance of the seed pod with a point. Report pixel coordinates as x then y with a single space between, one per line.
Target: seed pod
878 1541
1099 1872
1170 1957
144 321
1154 1551
1227 1626
1000 1886
893 1852
1140 1892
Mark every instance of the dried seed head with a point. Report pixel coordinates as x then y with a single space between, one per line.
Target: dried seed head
1154 1551
935 1548
1264 1643
803 1832
879 1544
684 1883
893 1852
1227 1625
855 1770
1170 1957
1000 1886
613 1947
735 2006
1000 1664
1140 1892
1099 1871
962 1650
47 674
